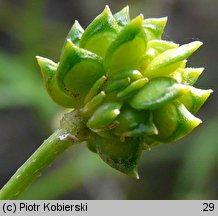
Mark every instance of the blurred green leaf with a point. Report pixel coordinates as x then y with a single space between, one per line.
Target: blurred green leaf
74 172
21 86
198 165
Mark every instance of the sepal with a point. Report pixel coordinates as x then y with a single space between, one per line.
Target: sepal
122 17
157 92
173 122
168 61
78 70
49 69
154 27
122 156
100 33
195 98
134 123
187 76
126 51
104 115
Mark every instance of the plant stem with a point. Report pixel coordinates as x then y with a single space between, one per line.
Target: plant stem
34 166
77 170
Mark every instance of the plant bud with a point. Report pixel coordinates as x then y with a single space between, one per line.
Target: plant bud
131 88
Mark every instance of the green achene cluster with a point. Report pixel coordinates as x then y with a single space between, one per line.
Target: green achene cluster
131 88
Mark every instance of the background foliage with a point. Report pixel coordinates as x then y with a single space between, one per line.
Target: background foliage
184 170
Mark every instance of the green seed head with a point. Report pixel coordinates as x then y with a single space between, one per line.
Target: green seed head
132 88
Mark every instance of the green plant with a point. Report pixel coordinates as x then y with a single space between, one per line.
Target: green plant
129 91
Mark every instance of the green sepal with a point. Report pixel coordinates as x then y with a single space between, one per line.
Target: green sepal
123 156
173 122
134 123
122 79
154 48
117 84
132 74
154 27
122 17
187 76
134 86
78 71
93 104
157 92
75 33
104 115
161 45
95 89
195 98
126 51
100 33
168 61
48 69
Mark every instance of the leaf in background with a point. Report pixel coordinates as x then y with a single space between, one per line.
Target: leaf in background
199 163
72 174
21 88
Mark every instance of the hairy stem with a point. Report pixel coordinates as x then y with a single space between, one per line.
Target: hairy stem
39 161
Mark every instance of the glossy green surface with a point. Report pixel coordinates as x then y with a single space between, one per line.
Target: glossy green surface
154 27
100 33
78 65
104 115
170 60
125 51
158 92
49 70
121 155
122 17
173 122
